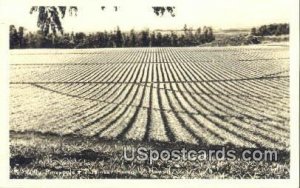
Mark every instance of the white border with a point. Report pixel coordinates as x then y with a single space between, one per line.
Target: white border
293 182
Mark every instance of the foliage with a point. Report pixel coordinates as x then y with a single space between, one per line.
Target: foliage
13 37
117 38
236 40
16 38
272 29
82 157
161 10
49 17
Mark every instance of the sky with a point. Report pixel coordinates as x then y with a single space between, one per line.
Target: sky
138 14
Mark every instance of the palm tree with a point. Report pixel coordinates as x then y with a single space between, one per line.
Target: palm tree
49 17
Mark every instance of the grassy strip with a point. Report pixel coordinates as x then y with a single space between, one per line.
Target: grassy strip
39 156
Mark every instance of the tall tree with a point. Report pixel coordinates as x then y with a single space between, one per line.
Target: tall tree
13 37
126 39
152 39
144 38
49 17
174 39
205 34
210 35
133 39
119 38
159 39
21 37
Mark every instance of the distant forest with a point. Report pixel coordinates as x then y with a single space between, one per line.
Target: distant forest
144 38
272 29
110 39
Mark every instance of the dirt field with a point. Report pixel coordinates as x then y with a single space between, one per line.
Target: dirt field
72 111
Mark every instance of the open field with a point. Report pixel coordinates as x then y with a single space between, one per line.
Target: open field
236 97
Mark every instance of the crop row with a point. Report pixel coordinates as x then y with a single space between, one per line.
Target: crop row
182 97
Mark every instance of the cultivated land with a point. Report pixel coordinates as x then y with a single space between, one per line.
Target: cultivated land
73 111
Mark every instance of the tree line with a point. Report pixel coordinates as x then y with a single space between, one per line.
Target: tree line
110 39
272 29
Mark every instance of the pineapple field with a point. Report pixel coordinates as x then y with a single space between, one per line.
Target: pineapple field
189 96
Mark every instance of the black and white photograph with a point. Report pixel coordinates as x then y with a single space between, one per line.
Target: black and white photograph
151 90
